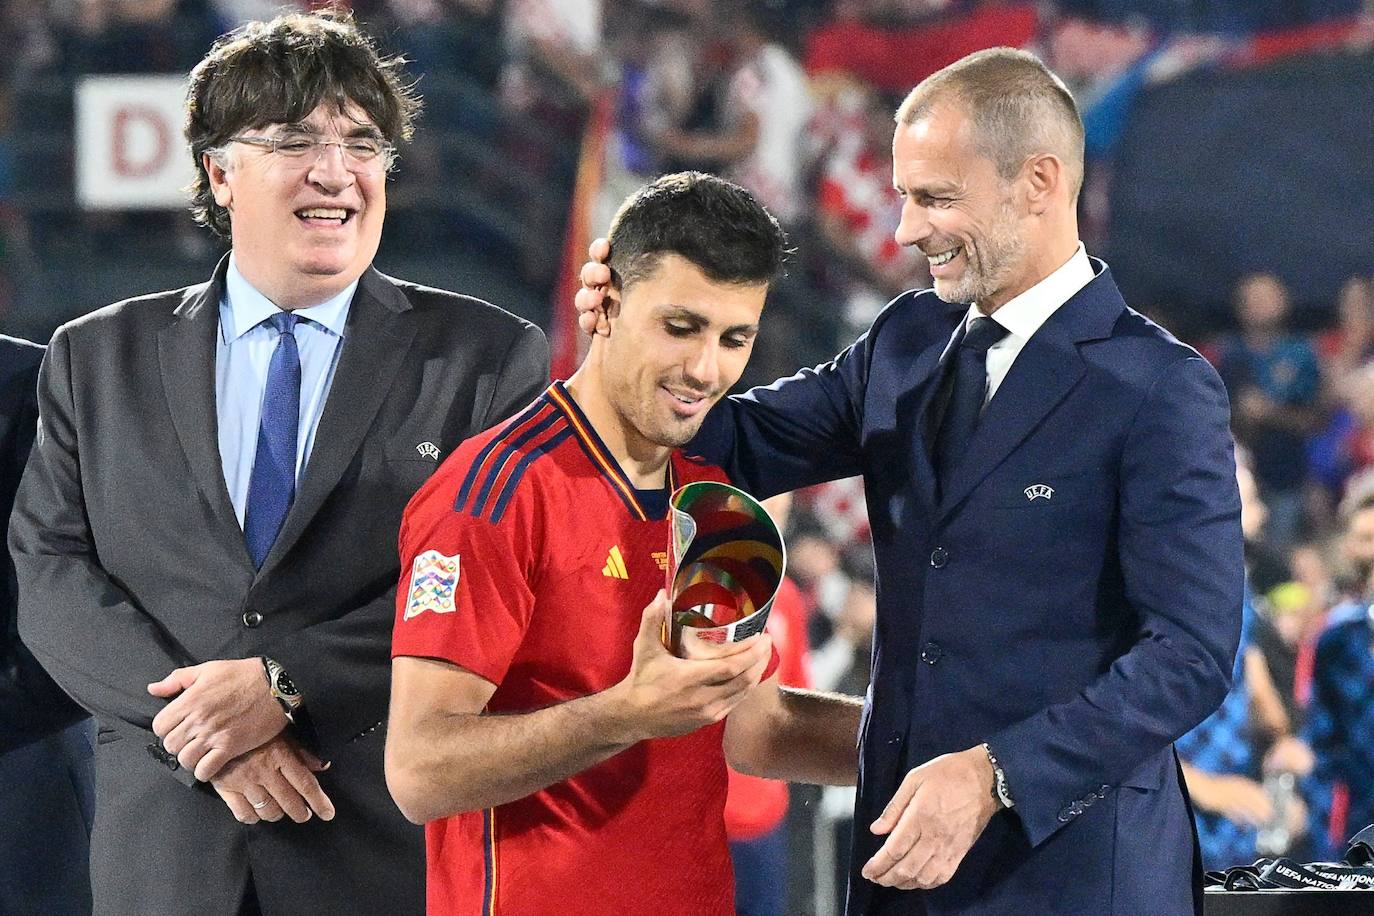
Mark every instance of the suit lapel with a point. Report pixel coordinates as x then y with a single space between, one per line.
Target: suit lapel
920 386
186 362
376 341
1045 371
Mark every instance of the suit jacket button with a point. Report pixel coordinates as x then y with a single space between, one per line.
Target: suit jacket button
251 619
931 652
1088 801
168 760
894 739
1064 815
939 557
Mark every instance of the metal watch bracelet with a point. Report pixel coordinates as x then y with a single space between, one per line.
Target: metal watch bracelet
999 780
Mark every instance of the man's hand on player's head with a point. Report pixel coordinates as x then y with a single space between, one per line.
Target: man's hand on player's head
664 696
590 300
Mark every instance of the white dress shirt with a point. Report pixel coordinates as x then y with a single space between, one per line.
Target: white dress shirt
1023 315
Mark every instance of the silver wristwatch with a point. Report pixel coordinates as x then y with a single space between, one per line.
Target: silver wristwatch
282 688
999 781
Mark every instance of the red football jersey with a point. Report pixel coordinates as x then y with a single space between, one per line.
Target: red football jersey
529 560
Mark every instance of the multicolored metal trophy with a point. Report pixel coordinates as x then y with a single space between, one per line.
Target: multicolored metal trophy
725 563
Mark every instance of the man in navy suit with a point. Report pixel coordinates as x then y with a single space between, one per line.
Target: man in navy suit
1051 486
47 779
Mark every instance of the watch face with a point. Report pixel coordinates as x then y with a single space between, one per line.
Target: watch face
285 687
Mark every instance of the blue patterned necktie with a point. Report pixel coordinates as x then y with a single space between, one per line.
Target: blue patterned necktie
966 395
272 485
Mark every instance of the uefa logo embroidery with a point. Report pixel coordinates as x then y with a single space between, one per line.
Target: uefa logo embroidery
1038 491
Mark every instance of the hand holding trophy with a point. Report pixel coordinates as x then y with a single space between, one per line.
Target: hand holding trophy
726 562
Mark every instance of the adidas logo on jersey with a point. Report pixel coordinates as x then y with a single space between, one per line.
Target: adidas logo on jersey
615 565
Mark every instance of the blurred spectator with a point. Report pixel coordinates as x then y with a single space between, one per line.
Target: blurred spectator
1350 344
1340 717
554 48
1345 447
1286 634
134 36
552 74
658 52
13 232
841 663
1219 758
1278 661
755 138
26 35
444 38
230 14
1273 381
755 808
856 218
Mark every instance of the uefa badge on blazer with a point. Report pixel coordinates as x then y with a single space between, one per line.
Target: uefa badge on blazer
726 561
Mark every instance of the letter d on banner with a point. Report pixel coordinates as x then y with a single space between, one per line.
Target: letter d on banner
140 141
129 153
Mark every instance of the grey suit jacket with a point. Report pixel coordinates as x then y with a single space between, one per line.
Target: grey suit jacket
31 705
131 563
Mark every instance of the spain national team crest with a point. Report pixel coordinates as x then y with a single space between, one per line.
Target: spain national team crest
433 581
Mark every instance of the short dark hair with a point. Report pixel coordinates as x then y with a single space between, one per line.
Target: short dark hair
278 72
714 223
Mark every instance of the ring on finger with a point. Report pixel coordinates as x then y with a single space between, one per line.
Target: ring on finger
258 806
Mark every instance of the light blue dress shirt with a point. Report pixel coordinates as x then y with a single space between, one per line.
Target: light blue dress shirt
243 351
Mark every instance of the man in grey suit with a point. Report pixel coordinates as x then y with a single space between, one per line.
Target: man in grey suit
205 537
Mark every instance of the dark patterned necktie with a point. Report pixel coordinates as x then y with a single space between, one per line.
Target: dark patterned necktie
969 388
272 485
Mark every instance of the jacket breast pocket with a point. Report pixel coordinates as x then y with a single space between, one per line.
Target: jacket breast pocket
415 447
1037 493
411 462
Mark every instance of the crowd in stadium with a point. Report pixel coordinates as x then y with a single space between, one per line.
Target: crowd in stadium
786 99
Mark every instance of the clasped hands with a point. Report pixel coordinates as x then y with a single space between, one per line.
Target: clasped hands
932 821
223 725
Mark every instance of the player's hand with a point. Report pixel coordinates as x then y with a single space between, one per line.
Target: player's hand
591 298
664 695
222 709
274 780
1240 800
937 813
1290 754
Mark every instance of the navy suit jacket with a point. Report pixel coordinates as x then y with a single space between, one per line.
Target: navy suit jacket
1072 598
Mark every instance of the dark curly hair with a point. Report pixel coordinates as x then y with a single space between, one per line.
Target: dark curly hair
278 72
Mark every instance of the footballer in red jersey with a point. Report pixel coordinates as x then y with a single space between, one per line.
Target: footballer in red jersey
562 759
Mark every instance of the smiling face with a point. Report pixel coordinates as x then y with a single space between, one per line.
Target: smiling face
959 212
679 340
1358 547
302 229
